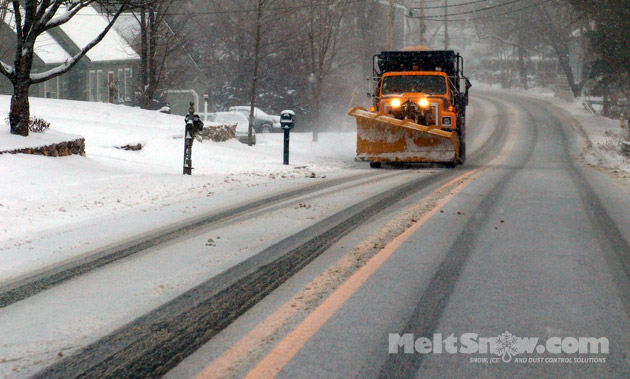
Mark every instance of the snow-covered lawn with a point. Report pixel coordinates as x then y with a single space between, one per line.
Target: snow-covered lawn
39 193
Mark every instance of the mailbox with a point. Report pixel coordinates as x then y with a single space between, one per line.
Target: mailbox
287 122
287 119
193 126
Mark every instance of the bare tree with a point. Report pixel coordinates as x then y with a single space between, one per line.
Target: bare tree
558 36
242 44
529 27
32 18
324 34
260 8
302 57
511 33
609 44
157 43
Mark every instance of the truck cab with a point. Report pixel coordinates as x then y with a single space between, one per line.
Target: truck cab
422 96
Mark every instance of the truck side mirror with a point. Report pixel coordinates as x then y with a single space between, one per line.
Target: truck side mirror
462 85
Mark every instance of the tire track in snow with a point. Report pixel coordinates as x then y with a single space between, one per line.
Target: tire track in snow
47 278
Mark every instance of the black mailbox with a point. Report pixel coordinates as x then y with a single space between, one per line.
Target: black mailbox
287 122
287 119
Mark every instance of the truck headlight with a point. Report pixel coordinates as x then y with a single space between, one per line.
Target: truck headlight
447 121
395 103
424 103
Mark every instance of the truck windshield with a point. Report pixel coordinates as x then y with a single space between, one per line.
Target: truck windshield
428 84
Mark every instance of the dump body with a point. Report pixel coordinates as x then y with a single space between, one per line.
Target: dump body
418 112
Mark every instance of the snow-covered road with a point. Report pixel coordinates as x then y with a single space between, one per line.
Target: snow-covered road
56 211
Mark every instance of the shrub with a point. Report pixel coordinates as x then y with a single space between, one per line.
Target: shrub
38 125
35 125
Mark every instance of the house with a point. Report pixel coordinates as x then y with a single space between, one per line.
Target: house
105 74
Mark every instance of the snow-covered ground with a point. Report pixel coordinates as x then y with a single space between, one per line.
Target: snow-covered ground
41 195
82 203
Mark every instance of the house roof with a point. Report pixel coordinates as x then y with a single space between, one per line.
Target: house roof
80 30
49 50
46 47
86 26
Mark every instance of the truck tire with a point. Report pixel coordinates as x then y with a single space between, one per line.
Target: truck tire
375 164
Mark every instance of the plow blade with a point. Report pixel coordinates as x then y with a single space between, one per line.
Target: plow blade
381 138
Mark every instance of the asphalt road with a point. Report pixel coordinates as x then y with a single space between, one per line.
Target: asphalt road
533 245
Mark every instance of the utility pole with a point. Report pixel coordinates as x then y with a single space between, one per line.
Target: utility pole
423 27
445 24
390 25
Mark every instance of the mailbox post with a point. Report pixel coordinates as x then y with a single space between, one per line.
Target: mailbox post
193 125
287 122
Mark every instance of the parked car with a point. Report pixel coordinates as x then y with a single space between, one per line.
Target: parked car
263 122
232 118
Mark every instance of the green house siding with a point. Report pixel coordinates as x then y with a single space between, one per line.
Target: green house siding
86 82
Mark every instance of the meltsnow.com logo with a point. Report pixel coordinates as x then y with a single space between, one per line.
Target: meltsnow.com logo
504 347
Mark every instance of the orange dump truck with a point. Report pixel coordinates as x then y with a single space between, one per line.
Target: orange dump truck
419 111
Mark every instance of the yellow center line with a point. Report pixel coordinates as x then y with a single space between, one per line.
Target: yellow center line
221 367
288 347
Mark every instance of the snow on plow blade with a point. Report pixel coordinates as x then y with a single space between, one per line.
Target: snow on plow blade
381 138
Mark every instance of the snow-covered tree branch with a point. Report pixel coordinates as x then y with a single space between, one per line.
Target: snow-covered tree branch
67 66
32 19
50 20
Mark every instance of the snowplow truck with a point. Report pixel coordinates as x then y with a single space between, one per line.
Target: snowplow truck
419 109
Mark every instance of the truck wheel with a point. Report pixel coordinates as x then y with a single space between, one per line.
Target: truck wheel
375 164
266 128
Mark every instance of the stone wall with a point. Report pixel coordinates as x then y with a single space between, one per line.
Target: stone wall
62 149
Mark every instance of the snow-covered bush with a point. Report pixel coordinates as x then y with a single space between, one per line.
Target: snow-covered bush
38 125
35 125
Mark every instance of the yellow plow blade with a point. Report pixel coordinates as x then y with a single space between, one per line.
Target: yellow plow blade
381 138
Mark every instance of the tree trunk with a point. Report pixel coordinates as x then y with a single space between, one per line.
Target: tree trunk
317 118
252 98
144 54
317 98
20 115
606 105
522 66
566 67
153 31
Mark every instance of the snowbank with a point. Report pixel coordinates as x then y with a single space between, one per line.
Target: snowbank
10 142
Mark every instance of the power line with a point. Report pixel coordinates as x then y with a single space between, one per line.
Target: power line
478 10
476 18
452 5
346 2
